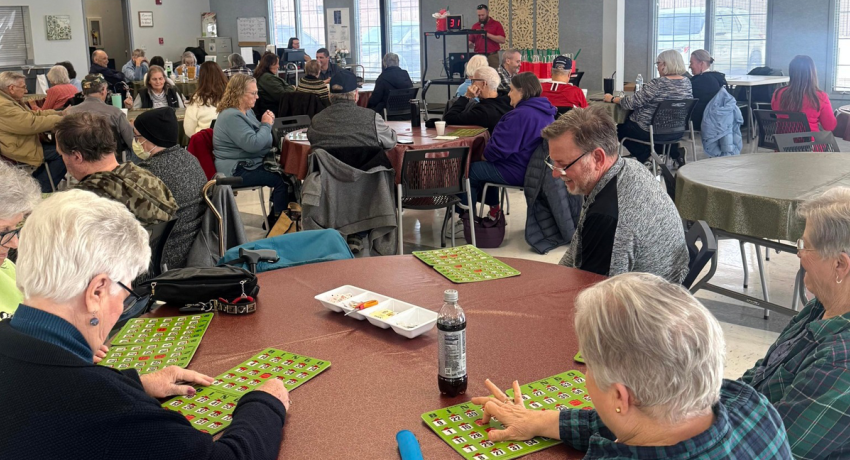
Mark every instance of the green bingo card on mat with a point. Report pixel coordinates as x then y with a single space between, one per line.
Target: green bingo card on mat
467 132
149 344
461 427
466 264
211 409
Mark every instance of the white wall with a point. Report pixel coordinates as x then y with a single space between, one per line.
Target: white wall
51 51
178 22
111 28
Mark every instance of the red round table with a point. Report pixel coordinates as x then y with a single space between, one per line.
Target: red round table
380 382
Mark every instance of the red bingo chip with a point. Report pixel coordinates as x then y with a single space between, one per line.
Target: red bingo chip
265 376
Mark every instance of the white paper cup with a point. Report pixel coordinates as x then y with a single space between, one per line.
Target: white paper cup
125 111
441 127
583 90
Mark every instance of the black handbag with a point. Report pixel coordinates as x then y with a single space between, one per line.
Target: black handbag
205 289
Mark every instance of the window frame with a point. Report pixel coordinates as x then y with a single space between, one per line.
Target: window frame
298 26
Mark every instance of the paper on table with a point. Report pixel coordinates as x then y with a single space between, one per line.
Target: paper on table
446 138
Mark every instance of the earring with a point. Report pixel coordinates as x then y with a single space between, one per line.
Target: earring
94 321
618 410
838 281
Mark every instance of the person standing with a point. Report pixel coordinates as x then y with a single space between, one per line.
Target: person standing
494 39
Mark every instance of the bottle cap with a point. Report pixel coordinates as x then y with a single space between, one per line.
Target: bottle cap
450 295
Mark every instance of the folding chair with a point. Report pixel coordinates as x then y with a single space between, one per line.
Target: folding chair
773 122
699 256
814 141
398 104
670 117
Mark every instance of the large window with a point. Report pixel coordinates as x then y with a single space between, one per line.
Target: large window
369 37
402 38
404 35
304 19
13 37
842 57
737 28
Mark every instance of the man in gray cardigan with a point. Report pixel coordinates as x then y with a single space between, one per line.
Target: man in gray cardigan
345 124
628 223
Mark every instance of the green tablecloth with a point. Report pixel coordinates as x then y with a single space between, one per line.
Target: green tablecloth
757 194
619 114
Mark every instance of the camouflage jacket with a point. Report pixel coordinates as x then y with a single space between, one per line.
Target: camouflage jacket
144 194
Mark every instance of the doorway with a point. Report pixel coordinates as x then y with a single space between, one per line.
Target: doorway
107 29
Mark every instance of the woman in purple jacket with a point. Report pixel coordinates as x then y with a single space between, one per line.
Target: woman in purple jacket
514 140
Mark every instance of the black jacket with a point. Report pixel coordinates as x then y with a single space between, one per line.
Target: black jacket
390 79
705 86
57 406
486 113
170 96
111 76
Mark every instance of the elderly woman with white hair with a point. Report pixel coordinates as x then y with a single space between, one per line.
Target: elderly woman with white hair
18 196
60 92
806 374
188 59
671 85
655 360
392 78
78 254
475 62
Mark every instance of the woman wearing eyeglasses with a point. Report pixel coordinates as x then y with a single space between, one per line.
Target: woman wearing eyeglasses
78 253
806 373
20 194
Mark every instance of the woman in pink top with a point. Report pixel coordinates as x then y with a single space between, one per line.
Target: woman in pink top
59 92
803 95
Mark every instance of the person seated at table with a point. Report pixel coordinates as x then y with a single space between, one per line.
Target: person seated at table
19 195
202 108
705 84
158 92
803 95
560 92
475 62
671 85
514 140
237 65
240 142
490 107
655 359
328 68
87 146
60 91
136 68
20 129
345 124
295 44
157 60
392 78
510 67
72 74
312 84
77 257
95 91
187 60
804 373
271 87
628 223
156 133
116 79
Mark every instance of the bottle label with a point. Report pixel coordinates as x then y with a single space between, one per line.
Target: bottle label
452 360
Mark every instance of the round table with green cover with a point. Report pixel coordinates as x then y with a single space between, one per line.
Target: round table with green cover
619 114
757 194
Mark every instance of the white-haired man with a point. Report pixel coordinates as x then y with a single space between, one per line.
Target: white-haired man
628 223
136 68
392 78
490 107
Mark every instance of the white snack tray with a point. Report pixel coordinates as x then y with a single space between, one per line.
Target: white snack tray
407 319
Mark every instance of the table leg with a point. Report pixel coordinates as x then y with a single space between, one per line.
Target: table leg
752 115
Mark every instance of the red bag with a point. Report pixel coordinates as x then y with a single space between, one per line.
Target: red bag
525 67
442 25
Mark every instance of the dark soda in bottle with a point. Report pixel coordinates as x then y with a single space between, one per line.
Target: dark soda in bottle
451 342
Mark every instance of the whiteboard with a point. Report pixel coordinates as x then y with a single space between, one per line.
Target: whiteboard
251 31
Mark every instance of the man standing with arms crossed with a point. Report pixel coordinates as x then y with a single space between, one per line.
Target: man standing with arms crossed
494 38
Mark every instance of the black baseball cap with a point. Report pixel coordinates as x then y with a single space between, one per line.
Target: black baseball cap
482 7
563 63
343 82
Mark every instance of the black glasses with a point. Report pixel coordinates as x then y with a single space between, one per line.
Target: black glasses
6 237
128 303
562 171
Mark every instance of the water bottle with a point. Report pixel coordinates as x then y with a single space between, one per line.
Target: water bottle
415 114
169 67
451 344
638 83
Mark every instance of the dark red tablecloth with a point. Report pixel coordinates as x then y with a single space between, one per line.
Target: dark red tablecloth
380 382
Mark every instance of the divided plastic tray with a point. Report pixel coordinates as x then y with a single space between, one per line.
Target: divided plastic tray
404 318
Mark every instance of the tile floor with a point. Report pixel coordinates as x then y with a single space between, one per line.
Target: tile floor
748 334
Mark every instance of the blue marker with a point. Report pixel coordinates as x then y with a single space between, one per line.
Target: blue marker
408 446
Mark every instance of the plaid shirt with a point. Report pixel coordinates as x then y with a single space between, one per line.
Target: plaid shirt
745 426
235 70
806 375
505 85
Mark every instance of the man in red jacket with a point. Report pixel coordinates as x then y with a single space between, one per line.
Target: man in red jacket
494 38
560 92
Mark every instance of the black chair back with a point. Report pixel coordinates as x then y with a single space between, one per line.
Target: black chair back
673 117
816 141
432 172
362 158
159 234
698 256
398 103
773 122
575 78
284 125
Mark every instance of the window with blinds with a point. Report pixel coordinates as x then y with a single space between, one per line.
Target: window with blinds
13 41
842 54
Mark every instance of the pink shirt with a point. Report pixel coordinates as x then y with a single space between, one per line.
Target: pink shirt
825 116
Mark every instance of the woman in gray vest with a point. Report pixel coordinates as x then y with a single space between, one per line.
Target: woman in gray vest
157 92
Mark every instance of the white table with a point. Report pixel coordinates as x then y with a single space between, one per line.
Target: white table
748 81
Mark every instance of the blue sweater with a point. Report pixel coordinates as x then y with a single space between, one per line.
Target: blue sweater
517 136
240 138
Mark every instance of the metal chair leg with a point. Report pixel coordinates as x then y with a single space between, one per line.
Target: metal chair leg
453 228
471 213
763 282
50 177
263 209
506 199
744 263
481 205
400 228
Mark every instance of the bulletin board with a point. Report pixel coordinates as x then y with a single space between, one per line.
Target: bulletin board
251 31
339 29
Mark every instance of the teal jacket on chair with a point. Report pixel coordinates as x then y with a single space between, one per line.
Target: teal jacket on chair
300 248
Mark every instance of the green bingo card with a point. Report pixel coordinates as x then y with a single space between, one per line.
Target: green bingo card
211 409
467 132
149 344
461 427
466 264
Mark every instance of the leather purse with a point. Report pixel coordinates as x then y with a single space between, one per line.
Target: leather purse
205 289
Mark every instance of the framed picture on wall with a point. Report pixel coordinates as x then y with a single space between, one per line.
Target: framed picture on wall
145 18
95 33
58 27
